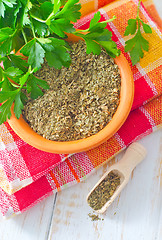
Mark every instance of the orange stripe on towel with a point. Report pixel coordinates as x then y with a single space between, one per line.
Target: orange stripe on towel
55 180
72 170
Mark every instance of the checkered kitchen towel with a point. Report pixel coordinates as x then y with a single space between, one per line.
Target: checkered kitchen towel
28 175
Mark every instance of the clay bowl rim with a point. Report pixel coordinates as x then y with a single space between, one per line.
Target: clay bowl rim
24 131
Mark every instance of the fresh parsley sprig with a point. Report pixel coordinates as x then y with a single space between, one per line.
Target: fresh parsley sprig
39 29
97 37
138 43
13 81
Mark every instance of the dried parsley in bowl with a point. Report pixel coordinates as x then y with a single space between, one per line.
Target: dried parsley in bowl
82 99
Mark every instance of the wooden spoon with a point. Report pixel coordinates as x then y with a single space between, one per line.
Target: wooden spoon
134 154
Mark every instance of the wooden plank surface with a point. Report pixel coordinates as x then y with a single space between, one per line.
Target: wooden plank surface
135 214
31 225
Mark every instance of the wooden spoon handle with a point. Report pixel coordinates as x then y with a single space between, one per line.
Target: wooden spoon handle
134 154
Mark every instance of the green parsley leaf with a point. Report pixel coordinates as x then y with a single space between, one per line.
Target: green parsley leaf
9 3
27 47
146 27
130 44
7 98
41 11
18 62
35 53
7 86
95 25
58 57
36 56
5 112
5 33
24 79
136 53
6 95
138 43
17 41
57 5
33 88
92 47
110 47
59 26
46 9
26 19
7 63
10 14
13 72
40 28
97 37
41 83
70 11
2 9
95 20
55 43
131 28
23 97
5 47
44 40
56 53
3 4
144 43
18 105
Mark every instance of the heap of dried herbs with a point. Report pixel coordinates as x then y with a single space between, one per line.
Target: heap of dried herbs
81 100
103 192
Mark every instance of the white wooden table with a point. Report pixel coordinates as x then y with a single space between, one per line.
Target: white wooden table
136 214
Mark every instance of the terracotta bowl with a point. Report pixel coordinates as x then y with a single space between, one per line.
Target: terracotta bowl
25 132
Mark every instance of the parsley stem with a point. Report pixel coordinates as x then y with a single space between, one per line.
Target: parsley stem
33 30
80 31
87 30
24 36
109 20
139 3
12 35
38 19
49 17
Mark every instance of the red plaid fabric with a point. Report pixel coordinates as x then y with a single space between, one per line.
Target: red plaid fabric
28 175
